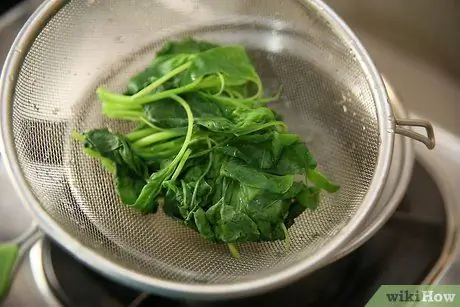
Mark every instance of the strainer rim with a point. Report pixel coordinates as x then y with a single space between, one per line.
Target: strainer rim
15 58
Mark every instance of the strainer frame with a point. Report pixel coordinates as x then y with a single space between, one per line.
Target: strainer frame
386 123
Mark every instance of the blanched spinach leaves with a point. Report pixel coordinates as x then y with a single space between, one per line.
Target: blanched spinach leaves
223 163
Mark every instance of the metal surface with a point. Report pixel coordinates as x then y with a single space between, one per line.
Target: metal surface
45 97
15 217
395 187
428 140
417 54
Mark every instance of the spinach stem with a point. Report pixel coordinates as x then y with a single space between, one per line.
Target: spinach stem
287 240
108 106
92 153
161 80
223 99
188 136
263 101
229 93
117 100
138 134
164 149
148 123
169 144
184 190
222 84
233 250
321 181
181 164
200 153
124 114
107 163
260 127
238 95
158 137
259 92
149 154
77 136
198 182
161 154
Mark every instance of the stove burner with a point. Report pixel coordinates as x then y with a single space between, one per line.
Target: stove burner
402 252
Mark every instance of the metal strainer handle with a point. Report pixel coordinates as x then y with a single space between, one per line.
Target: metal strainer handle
428 140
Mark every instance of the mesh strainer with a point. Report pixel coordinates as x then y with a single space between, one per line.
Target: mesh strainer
333 97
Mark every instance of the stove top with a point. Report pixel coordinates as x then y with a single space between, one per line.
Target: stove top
412 239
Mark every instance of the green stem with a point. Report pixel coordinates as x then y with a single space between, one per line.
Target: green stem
158 154
167 145
222 84
200 153
188 136
230 94
139 134
181 164
152 86
233 250
149 123
208 168
124 114
108 106
145 201
260 127
287 240
233 102
107 163
259 92
184 190
238 95
263 101
158 137
210 82
77 136
164 149
321 181
116 99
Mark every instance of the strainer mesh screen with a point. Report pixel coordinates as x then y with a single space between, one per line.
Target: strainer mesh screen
326 99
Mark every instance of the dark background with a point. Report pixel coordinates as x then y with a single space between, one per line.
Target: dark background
7 4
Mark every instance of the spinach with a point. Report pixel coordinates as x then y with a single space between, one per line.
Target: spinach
294 159
255 178
129 170
321 181
167 114
224 164
185 46
128 185
226 65
158 68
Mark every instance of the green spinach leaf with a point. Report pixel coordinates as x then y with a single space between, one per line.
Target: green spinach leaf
130 170
256 178
231 62
207 147
188 45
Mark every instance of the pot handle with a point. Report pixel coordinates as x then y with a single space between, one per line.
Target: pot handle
428 140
